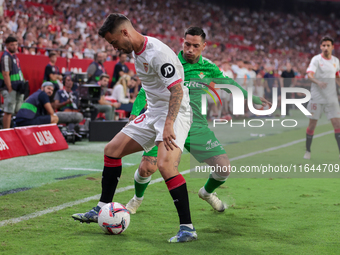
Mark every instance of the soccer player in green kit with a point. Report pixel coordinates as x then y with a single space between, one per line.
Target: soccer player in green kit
195 66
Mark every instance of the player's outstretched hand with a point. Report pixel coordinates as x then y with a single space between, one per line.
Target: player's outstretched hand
169 136
131 118
265 102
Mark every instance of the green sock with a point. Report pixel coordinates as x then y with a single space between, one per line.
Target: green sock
212 183
140 188
141 183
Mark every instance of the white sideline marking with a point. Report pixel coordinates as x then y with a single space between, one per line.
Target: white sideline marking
96 197
84 169
70 204
279 147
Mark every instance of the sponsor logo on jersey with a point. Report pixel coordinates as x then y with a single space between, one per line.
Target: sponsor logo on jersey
3 145
193 84
146 67
168 70
210 145
44 137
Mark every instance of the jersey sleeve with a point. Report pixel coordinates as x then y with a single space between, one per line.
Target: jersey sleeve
6 64
313 66
164 65
43 98
57 96
226 80
337 74
139 103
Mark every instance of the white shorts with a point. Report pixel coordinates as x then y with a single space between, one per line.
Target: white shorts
332 110
147 128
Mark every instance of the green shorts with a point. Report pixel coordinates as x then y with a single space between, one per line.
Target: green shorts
201 143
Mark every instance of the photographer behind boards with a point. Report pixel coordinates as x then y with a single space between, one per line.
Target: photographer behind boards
11 81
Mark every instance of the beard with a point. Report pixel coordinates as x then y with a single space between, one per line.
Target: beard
191 60
12 50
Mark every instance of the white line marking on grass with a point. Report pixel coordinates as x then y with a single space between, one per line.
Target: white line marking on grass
279 147
83 169
96 197
70 204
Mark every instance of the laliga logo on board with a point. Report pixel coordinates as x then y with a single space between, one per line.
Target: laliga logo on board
3 145
44 137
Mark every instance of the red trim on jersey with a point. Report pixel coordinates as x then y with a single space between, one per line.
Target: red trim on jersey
174 83
144 46
326 58
112 162
310 72
309 132
175 182
337 130
337 73
139 119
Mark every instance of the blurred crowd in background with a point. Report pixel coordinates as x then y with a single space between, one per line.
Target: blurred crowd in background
264 38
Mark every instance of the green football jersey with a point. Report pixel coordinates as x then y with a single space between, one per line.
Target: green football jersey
205 70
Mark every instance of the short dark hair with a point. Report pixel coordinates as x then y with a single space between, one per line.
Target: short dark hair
327 38
121 53
66 76
10 39
112 21
195 31
104 75
52 53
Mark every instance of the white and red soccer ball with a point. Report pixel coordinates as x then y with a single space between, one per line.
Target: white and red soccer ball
114 218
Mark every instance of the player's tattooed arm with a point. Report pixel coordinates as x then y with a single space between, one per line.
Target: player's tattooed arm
175 101
169 136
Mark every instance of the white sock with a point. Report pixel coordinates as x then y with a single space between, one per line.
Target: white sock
204 192
141 179
187 225
218 177
101 204
138 198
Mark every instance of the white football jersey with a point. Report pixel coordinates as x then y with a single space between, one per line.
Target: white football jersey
324 70
159 68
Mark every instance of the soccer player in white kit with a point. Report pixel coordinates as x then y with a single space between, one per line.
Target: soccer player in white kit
323 71
166 123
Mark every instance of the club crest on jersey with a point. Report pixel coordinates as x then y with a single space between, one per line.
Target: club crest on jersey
201 75
334 65
146 67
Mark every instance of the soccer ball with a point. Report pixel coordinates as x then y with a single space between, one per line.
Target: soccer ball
114 218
